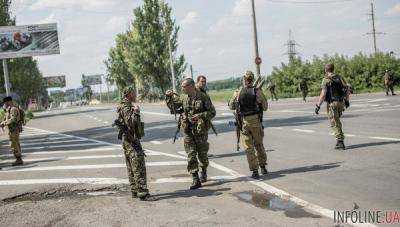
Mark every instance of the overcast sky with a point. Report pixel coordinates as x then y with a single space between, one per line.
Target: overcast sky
216 35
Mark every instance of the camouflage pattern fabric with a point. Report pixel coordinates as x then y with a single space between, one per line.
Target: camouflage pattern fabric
335 111
14 129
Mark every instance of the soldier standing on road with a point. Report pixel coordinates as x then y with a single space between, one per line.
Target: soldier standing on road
304 88
14 122
389 82
202 84
196 112
336 93
249 103
271 87
129 116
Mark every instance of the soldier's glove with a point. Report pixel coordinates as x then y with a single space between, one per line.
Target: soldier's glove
317 108
347 104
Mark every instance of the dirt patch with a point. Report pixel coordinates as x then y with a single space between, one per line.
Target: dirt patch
67 191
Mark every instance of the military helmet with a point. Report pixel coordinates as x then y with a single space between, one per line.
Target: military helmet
128 89
249 76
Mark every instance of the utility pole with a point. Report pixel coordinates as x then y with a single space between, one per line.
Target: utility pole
291 47
171 60
6 78
373 32
191 71
258 71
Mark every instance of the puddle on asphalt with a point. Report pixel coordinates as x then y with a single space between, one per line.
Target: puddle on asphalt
275 203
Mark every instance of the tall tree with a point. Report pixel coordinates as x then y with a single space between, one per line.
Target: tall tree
144 50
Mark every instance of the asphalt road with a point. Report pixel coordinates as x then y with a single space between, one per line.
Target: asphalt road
74 172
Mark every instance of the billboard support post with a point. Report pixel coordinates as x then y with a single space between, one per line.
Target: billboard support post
6 78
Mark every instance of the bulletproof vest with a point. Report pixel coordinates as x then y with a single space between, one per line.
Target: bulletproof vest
248 102
335 90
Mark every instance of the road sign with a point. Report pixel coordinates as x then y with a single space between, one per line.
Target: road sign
91 80
28 40
258 60
54 81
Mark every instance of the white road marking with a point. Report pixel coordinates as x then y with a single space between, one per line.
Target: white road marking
161 127
48 139
182 153
156 142
52 142
106 122
303 130
377 100
60 146
227 114
80 167
156 113
66 152
384 138
278 128
350 135
105 181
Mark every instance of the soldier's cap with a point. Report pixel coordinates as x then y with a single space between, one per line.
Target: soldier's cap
249 75
7 99
128 90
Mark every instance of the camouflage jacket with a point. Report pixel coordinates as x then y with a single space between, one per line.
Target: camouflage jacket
12 118
130 116
199 105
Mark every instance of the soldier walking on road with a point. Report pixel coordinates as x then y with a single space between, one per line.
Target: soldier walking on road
249 103
336 94
132 130
304 88
389 82
196 111
14 121
271 87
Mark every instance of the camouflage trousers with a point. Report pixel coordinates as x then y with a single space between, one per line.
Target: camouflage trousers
304 94
389 88
136 167
251 139
196 147
15 145
335 111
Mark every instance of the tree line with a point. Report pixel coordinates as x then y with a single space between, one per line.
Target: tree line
25 78
363 72
141 55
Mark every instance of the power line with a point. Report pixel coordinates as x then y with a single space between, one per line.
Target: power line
291 47
373 32
309 2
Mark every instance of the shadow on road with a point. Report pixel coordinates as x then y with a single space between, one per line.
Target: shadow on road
202 192
372 144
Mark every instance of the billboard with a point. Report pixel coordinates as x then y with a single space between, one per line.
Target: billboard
54 81
28 40
91 80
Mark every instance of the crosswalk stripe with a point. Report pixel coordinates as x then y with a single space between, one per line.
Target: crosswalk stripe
66 152
60 146
46 139
188 179
104 181
80 167
53 142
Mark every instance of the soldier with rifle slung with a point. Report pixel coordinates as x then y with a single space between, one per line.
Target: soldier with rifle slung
131 130
249 103
201 85
196 111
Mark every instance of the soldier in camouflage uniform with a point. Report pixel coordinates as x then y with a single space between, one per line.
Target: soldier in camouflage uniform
196 112
271 87
249 103
304 88
201 84
14 124
389 82
336 93
129 115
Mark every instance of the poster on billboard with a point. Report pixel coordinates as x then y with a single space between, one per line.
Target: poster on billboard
54 81
91 80
28 40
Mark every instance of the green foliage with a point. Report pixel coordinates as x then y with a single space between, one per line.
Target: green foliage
28 115
231 83
363 72
141 55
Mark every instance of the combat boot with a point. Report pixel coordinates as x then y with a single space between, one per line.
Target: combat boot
255 175
145 196
340 145
264 170
203 176
196 181
18 162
